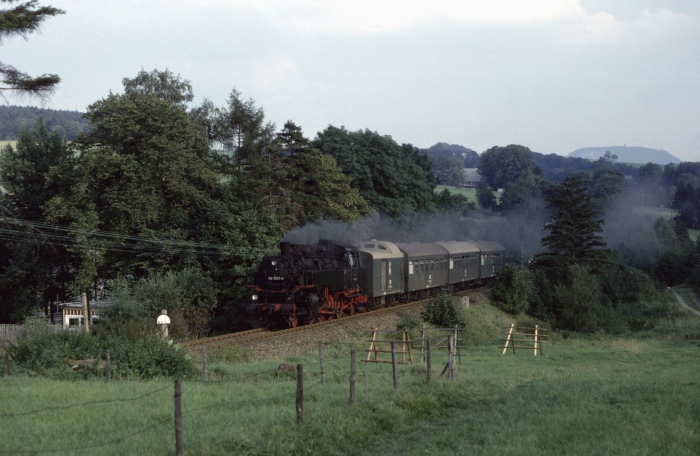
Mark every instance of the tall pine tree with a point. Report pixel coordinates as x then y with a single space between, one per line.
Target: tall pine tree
575 224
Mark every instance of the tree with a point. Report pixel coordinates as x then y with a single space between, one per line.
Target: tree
468 158
485 196
523 194
32 268
241 129
143 170
448 170
607 183
687 201
513 289
574 228
394 179
649 177
163 84
21 20
580 300
318 188
454 203
501 165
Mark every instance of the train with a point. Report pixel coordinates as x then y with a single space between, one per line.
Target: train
309 283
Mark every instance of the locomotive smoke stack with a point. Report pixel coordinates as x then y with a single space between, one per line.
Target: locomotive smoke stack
286 248
296 248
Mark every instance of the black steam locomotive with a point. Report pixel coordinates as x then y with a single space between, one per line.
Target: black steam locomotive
317 282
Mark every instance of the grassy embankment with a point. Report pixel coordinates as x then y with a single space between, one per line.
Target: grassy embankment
599 395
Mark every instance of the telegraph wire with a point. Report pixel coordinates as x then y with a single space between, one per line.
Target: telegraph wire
82 404
39 233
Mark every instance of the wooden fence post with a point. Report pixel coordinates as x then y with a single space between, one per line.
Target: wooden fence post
205 371
300 393
456 345
422 344
8 371
428 360
509 338
178 418
451 358
353 371
320 358
108 367
373 346
393 363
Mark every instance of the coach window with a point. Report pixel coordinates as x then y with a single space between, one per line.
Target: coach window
410 267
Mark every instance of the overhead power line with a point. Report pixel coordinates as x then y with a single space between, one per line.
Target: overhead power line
16 230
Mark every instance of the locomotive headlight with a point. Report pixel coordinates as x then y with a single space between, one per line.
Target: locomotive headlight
273 263
254 297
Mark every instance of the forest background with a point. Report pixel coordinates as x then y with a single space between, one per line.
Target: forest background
147 200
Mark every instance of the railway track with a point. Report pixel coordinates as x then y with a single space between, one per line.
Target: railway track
262 333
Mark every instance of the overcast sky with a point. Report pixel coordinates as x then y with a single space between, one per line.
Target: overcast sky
553 75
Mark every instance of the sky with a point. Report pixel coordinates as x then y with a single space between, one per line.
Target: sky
552 75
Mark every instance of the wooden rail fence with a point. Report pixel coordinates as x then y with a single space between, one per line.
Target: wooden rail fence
524 338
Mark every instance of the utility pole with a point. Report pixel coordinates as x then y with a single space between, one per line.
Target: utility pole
86 311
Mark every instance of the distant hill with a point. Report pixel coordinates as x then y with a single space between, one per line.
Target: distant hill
627 154
14 119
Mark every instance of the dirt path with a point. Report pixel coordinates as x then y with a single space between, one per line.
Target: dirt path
687 292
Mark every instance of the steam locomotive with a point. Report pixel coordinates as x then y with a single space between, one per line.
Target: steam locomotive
308 283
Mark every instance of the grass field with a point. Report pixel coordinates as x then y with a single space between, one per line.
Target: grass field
599 395
469 193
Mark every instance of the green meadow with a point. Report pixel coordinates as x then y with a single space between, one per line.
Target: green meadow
632 395
469 193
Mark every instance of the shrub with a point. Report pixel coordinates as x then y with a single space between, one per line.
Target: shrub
408 321
513 289
188 295
46 353
580 301
442 312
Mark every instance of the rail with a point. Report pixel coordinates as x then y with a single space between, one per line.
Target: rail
262 333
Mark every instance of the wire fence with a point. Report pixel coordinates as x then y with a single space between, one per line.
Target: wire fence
195 418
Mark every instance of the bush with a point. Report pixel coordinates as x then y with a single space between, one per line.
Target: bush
580 301
408 321
47 353
442 312
188 295
513 289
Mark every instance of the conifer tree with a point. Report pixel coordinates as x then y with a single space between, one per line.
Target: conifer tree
21 20
575 226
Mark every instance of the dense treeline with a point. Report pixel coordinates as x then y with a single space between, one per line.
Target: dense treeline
158 205
15 119
602 256
183 201
449 160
